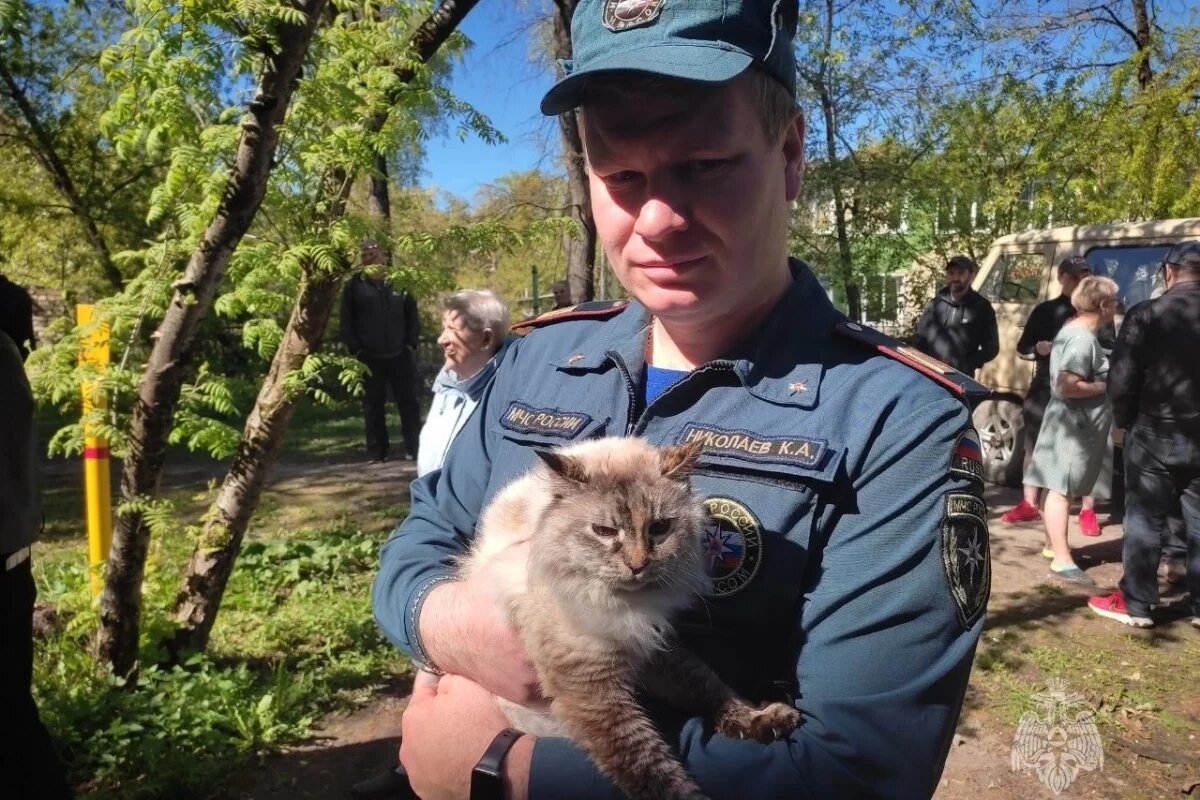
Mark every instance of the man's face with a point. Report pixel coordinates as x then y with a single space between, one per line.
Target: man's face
466 350
562 295
372 254
1069 281
691 200
959 280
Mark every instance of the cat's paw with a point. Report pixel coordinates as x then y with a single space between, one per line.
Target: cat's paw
772 721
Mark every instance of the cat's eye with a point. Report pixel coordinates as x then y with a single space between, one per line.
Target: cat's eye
659 528
604 530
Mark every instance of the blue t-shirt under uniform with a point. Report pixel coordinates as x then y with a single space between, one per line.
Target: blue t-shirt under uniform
658 380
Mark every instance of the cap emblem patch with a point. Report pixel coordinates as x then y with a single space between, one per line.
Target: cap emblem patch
620 15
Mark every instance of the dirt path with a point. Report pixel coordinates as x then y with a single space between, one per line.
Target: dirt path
1031 618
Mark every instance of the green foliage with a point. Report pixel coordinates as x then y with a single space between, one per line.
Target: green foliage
294 639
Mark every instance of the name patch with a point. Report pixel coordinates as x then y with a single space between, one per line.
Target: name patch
752 447
550 421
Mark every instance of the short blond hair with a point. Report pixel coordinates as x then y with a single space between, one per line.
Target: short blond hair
1093 292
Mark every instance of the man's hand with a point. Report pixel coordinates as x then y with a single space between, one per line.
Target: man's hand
1043 348
466 632
446 728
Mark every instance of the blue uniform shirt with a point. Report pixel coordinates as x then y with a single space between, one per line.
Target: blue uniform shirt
847 542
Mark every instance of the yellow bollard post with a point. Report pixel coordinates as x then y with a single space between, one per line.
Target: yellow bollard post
97 488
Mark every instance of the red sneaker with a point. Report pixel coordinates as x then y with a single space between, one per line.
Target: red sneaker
1088 524
1021 512
1113 607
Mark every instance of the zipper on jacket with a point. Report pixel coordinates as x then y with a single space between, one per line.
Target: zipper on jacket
644 417
629 386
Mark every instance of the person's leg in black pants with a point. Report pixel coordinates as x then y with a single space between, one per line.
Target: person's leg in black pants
1188 480
29 764
1149 497
374 409
402 374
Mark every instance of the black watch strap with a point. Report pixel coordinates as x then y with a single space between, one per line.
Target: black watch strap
486 783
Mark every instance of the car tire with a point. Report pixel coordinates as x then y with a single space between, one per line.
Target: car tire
1001 429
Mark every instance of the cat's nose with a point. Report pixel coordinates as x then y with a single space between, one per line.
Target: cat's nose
637 569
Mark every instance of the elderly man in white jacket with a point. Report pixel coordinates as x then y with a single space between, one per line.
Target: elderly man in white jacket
473 338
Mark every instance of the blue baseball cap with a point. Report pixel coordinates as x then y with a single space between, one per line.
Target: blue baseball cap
699 40
1184 254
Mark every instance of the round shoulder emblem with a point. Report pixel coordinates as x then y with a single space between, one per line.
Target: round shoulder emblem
733 545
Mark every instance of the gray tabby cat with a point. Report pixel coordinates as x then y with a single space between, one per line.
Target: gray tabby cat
615 538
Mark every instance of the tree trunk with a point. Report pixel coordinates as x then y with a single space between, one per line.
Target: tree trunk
159 387
212 561
1141 28
840 209
581 248
41 145
821 83
207 575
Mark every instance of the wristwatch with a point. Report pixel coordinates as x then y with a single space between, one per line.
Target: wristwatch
486 783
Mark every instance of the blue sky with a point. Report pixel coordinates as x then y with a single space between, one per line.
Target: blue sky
499 78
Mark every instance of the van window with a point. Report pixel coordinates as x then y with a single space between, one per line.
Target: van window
1135 269
1015 278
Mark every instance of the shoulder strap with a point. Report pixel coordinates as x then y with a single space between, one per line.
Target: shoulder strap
597 309
962 385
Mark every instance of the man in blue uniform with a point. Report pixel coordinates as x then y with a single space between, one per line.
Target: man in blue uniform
847 536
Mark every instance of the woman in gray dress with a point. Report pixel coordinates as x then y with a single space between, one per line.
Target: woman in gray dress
1073 455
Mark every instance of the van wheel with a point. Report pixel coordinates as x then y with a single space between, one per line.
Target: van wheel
1001 430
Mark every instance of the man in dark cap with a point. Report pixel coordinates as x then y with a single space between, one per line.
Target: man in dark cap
1037 338
846 540
958 326
1154 383
380 327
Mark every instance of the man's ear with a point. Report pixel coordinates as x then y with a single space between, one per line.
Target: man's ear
563 466
677 462
793 154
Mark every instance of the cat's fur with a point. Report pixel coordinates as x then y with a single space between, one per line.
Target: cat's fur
593 605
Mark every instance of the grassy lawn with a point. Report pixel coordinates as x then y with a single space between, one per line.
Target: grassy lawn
294 639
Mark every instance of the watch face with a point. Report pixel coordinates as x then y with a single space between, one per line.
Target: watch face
486 785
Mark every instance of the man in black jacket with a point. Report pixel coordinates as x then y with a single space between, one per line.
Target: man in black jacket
959 325
29 765
379 326
1154 383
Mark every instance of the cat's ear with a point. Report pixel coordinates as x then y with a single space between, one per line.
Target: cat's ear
564 466
678 461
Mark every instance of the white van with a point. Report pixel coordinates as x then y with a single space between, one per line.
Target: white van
1019 272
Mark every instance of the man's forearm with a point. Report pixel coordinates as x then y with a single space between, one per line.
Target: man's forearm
439 626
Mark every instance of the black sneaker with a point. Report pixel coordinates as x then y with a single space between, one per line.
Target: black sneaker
390 785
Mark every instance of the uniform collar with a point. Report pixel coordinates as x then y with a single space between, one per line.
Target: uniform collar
779 362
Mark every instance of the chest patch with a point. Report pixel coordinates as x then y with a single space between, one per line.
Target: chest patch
966 555
733 545
748 446
549 421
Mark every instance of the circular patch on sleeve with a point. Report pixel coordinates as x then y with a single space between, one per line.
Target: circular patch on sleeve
733 545
966 555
